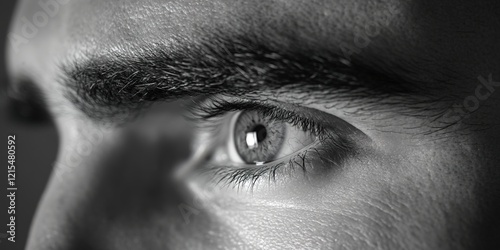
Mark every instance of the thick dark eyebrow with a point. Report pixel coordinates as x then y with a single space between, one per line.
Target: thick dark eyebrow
115 83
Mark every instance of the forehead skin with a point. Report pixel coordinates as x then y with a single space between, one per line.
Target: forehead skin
446 42
411 31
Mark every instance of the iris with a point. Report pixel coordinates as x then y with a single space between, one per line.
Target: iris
258 138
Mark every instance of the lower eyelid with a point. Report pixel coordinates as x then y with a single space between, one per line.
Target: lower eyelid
291 156
317 159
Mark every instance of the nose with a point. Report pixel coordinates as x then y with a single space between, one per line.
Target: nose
108 196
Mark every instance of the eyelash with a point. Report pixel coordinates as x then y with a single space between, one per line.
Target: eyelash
204 113
215 107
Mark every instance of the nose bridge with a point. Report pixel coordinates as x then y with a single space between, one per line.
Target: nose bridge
124 177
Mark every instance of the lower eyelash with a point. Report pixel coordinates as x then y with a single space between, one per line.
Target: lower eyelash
215 107
327 154
239 177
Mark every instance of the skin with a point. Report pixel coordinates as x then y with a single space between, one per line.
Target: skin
408 189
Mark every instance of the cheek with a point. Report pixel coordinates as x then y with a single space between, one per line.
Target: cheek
431 189
400 200
322 218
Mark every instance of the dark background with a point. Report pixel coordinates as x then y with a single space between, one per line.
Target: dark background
36 147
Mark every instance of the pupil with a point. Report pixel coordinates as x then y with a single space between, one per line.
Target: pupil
261 132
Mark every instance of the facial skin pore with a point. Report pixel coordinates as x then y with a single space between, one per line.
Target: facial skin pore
425 175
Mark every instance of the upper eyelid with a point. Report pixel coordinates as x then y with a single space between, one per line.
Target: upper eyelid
214 107
326 124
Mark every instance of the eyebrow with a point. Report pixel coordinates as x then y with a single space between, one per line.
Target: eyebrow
115 83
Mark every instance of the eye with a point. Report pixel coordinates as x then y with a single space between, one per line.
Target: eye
245 141
257 139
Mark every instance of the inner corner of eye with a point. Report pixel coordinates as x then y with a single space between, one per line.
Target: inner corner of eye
256 139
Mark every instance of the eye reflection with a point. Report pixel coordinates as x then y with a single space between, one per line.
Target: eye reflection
256 136
258 139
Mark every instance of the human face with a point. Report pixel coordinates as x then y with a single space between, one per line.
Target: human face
266 124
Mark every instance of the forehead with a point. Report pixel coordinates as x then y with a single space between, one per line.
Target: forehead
111 22
387 33
98 25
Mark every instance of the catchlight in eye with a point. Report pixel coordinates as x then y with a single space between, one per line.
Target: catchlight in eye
257 138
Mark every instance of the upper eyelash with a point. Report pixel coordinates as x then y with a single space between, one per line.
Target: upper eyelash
215 107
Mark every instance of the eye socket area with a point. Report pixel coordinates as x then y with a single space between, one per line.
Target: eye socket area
256 139
243 140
